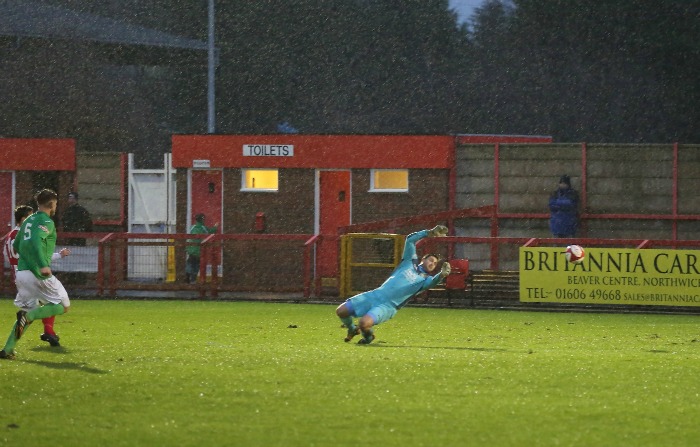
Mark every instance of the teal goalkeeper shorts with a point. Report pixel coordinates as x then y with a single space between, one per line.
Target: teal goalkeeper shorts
373 304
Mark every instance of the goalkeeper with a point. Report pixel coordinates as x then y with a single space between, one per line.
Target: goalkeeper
409 278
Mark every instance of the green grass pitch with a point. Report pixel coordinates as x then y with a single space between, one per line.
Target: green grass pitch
183 373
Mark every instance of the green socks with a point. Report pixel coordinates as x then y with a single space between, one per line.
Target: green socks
45 311
11 341
347 321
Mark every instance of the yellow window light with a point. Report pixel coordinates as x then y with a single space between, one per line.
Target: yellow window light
261 179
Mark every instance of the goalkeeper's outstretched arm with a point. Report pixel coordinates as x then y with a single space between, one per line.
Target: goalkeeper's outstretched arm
438 231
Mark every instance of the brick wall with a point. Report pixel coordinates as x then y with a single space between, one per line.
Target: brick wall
28 183
100 184
262 265
620 179
689 179
24 187
289 210
428 193
259 265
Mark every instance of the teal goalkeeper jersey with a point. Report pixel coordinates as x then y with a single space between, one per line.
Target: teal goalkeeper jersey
35 243
407 279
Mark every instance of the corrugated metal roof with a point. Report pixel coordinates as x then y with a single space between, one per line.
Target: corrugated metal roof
27 18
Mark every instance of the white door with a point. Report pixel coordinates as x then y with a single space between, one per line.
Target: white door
151 210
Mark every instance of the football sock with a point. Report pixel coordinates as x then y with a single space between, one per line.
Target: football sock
48 325
45 311
347 321
367 334
11 341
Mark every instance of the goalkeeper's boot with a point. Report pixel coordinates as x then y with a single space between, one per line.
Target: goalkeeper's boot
52 339
21 324
367 338
6 355
352 331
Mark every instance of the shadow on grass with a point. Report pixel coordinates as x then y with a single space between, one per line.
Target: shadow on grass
67 365
458 348
62 365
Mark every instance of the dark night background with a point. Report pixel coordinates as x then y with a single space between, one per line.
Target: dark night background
604 71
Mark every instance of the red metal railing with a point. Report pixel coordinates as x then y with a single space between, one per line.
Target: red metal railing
109 272
215 242
673 216
391 225
431 245
113 262
495 241
310 246
110 260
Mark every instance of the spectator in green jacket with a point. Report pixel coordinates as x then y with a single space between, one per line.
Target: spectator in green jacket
193 249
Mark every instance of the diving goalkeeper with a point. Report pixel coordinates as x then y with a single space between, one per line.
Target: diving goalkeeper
409 278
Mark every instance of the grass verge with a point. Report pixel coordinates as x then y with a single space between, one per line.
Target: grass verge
134 373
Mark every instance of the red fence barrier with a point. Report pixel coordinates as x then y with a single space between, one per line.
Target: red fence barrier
228 262
502 252
111 262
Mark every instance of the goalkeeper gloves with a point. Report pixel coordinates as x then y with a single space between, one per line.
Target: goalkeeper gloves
438 231
445 270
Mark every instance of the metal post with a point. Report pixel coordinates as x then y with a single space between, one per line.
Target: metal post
211 58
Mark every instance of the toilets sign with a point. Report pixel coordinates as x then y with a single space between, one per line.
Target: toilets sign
268 150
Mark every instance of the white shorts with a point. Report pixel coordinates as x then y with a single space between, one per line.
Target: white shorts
33 292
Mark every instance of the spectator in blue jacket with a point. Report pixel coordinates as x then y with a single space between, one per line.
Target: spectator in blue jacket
563 204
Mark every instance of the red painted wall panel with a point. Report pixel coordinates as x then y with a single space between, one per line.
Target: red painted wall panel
317 151
37 154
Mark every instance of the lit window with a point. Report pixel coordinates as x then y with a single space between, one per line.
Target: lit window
389 180
260 180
